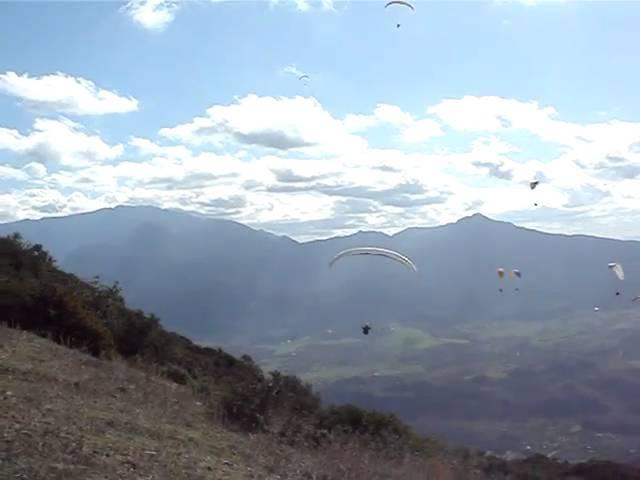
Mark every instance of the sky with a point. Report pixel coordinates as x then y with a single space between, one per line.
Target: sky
199 105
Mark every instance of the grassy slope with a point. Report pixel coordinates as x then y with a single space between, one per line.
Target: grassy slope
72 416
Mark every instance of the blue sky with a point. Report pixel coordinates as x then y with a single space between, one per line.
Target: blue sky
559 76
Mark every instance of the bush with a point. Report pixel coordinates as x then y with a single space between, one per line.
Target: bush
177 374
132 332
293 394
59 313
245 405
379 427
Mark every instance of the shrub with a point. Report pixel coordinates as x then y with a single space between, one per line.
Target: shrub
58 312
379 427
177 374
243 405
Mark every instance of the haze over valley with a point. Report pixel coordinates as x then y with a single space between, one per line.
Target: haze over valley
530 370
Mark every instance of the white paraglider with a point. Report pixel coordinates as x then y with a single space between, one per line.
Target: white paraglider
617 269
384 252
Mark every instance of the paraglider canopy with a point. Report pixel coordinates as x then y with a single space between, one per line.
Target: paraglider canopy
532 186
304 78
617 269
400 3
500 272
384 252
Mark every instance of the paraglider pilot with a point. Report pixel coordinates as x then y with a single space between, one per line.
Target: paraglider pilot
366 328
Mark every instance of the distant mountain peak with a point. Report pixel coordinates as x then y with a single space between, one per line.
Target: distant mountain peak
476 217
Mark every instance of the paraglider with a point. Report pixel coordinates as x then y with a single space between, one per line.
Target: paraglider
384 252
597 309
305 79
617 269
516 273
400 3
500 273
532 186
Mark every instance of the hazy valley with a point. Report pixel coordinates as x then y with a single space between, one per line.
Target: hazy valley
533 370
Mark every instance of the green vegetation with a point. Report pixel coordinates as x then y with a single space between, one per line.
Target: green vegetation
294 346
404 338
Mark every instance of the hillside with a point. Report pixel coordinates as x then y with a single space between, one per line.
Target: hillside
75 417
240 285
150 404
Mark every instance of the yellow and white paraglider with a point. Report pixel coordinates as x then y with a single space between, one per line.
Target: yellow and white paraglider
400 3
500 272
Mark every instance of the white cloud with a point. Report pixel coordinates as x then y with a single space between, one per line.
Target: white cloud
306 5
493 114
60 142
604 148
412 130
37 203
531 3
288 165
10 173
499 115
296 123
152 14
157 15
65 94
420 131
35 169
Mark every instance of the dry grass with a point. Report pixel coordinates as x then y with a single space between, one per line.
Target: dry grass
69 416
353 461
72 416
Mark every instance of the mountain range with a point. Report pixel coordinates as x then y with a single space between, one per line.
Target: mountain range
214 279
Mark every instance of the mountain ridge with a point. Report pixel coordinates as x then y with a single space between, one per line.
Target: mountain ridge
194 214
235 279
